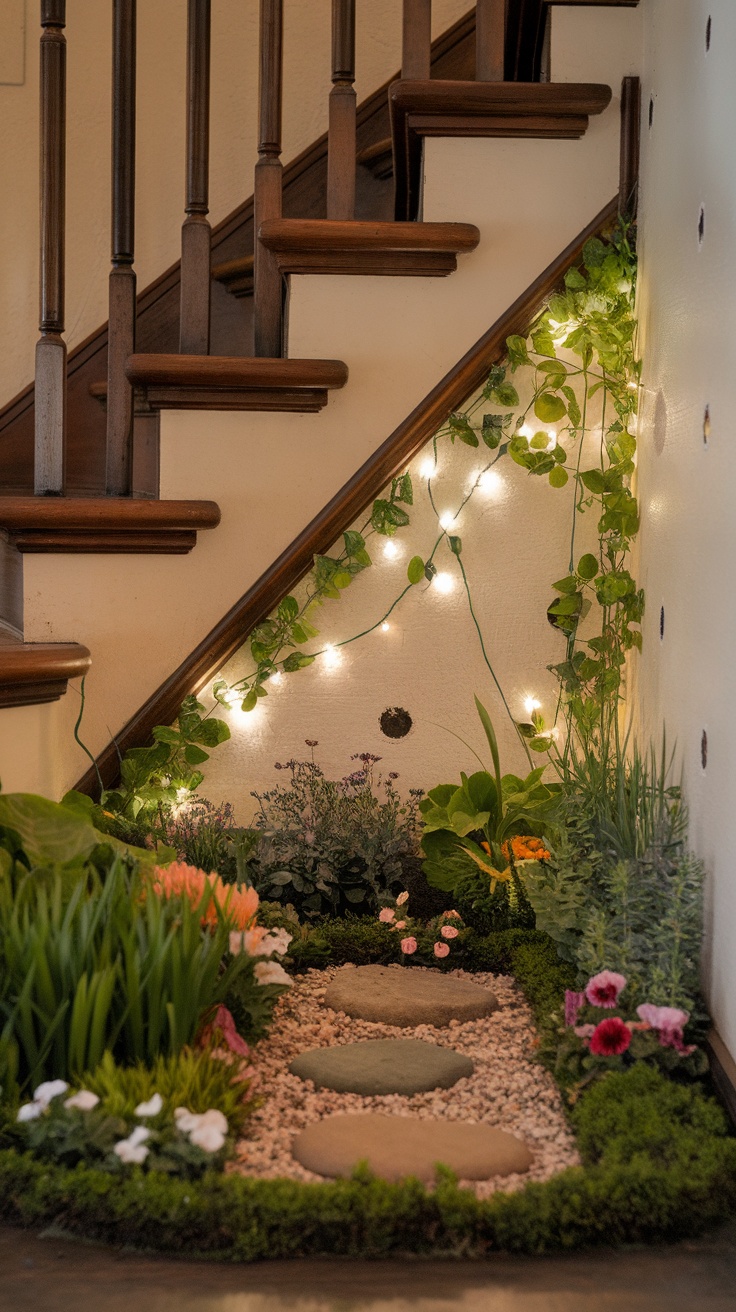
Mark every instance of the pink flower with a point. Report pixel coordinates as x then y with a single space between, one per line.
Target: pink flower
603 990
449 931
386 915
455 915
584 1031
669 1023
408 945
221 1028
401 899
573 1003
611 1037
441 949
400 924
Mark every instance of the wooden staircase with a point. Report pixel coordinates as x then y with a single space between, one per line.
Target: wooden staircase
140 384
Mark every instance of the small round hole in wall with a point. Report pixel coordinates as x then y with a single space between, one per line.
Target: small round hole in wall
651 110
706 426
708 31
704 750
661 623
701 226
395 722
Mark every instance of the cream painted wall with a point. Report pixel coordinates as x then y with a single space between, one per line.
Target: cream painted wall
160 148
688 538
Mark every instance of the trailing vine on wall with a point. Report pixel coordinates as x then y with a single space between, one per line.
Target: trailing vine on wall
578 370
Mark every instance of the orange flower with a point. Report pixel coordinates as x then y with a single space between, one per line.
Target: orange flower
180 880
526 848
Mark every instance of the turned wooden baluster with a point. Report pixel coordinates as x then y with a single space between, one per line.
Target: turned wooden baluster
490 40
341 135
122 285
416 49
267 290
194 334
50 396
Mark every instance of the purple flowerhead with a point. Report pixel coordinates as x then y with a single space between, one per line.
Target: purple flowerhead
603 990
573 1002
669 1022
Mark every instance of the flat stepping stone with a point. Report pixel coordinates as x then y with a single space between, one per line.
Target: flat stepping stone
397 1146
378 1066
407 996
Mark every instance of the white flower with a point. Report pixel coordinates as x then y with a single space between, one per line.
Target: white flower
207 1137
30 1110
236 941
190 1122
132 1149
270 972
277 941
150 1108
84 1101
51 1089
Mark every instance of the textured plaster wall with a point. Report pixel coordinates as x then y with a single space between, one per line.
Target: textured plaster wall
688 539
160 145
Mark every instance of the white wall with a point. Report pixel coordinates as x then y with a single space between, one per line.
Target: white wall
688 538
160 146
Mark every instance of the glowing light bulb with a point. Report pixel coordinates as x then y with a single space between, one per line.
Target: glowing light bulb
331 657
428 468
233 697
385 626
276 678
526 431
390 550
490 482
443 582
632 386
447 520
551 434
531 705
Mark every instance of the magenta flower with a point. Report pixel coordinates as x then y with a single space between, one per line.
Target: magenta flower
441 949
408 945
449 931
611 1037
603 990
573 1002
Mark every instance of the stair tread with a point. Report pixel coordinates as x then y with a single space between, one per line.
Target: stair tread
357 235
33 673
105 525
235 372
514 98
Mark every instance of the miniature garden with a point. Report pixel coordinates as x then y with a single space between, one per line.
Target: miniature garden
377 1020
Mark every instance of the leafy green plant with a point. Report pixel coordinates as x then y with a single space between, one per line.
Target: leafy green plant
466 827
327 846
191 1078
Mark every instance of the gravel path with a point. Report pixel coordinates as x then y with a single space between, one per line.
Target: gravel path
507 1090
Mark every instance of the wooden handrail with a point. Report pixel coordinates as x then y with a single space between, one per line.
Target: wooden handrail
490 40
50 437
122 285
342 109
416 43
268 180
347 504
196 235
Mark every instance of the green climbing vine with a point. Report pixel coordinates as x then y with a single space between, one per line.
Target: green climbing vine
577 369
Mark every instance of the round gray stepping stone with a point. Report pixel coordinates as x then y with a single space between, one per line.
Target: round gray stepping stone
378 1066
397 1146
407 996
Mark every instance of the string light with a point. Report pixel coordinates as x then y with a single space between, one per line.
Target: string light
447 520
391 551
276 678
385 626
531 705
551 434
526 431
331 657
443 582
428 468
490 482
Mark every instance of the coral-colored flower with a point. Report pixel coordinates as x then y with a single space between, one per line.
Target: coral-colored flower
610 1038
573 1003
402 898
239 906
386 915
400 924
408 945
454 915
449 931
603 990
441 949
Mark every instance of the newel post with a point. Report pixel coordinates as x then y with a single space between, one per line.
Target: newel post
122 283
267 290
194 334
50 395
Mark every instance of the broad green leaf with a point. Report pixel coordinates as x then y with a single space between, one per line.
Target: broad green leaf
558 476
48 832
588 566
549 408
415 570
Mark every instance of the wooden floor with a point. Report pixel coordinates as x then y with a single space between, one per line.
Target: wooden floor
50 1273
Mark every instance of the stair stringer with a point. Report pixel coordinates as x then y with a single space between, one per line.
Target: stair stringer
272 473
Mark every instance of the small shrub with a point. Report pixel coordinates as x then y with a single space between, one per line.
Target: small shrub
507 907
